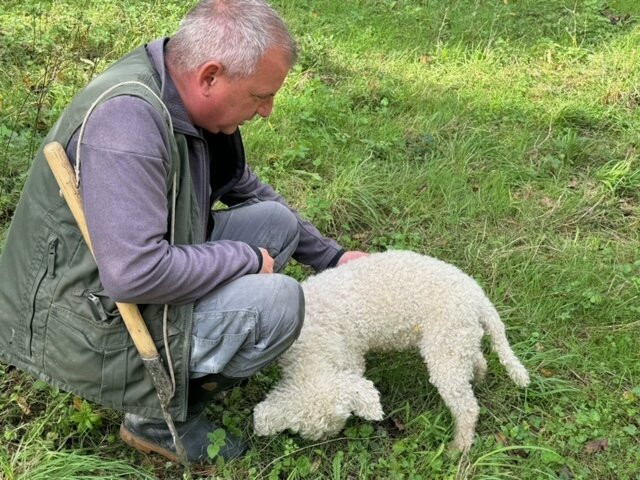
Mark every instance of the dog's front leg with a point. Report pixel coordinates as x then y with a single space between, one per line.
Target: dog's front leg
363 396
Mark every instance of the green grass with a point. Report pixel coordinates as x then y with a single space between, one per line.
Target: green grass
501 136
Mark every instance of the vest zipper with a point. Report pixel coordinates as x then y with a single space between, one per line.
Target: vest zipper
96 307
51 258
47 270
204 194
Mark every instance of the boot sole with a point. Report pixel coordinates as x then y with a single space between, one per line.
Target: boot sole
145 446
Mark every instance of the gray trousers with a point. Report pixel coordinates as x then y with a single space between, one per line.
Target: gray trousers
245 324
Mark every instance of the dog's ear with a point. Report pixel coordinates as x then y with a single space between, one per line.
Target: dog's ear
364 397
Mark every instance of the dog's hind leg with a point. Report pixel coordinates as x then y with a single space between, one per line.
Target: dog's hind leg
457 394
479 367
451 369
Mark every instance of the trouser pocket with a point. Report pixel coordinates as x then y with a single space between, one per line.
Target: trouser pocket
218 337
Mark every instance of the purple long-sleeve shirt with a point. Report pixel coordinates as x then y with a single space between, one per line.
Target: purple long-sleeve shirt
124 166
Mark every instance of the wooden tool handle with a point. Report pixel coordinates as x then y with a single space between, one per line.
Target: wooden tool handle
66 178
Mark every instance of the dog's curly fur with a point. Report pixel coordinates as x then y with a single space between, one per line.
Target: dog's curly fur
386 301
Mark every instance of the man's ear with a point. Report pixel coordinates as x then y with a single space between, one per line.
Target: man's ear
207 76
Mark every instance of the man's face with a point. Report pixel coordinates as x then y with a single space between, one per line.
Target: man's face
229 102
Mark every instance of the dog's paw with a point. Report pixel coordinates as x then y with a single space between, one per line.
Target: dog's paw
364 397
371 411
461 443
268 419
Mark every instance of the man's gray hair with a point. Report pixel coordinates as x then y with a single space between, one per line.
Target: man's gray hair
236 33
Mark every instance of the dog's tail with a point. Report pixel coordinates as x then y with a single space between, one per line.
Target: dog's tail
493 326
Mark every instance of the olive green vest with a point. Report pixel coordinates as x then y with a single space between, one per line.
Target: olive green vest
55 320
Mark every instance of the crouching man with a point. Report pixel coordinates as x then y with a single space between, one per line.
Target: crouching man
155 143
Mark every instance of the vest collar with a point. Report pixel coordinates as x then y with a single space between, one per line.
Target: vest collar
169 92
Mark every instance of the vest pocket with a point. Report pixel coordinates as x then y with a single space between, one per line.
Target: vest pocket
98 360
88 357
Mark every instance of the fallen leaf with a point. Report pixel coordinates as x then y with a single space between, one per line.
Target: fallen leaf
398 424
627 207
520 453
24 405
595 446
77 403
548 202
502 439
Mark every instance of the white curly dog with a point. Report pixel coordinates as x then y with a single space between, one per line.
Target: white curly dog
386 301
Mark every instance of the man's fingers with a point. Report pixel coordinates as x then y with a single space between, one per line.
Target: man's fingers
350 256
267 261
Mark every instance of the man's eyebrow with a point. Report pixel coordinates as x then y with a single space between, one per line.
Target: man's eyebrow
263 95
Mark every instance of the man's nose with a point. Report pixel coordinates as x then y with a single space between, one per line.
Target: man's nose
265 109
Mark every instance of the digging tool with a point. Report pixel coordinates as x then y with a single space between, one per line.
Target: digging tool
65 176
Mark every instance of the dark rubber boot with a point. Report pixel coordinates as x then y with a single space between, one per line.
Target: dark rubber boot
204 389
153 435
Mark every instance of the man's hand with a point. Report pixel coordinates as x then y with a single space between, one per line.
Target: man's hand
267 261
351 255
